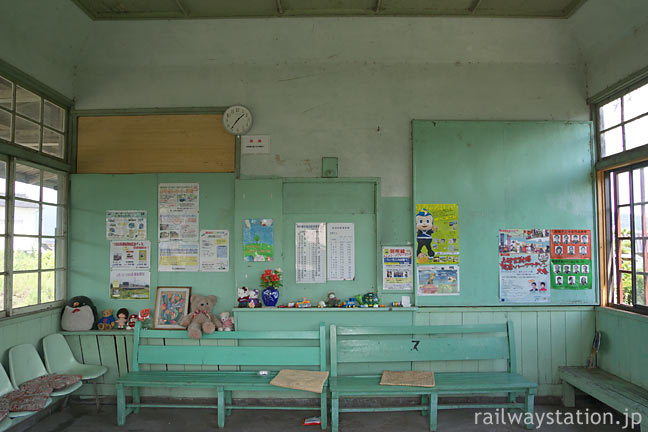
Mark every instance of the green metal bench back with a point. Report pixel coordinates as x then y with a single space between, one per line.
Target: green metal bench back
422 343
288 354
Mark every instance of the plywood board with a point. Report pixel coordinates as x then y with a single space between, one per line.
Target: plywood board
175 143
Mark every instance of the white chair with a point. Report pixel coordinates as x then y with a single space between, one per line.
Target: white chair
60 360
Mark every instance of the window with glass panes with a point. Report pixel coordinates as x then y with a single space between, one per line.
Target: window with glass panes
623 125
30 120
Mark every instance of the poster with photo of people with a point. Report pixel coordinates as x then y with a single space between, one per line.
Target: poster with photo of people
571 244
571 259
571 274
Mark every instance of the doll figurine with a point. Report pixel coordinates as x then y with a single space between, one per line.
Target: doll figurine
122 318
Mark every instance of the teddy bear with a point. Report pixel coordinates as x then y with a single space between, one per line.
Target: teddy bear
200 319
108 320
227 322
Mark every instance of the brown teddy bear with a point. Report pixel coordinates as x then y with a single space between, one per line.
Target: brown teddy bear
200 319
107 322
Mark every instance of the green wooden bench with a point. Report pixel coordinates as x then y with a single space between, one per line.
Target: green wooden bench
289 349
613 391
353 345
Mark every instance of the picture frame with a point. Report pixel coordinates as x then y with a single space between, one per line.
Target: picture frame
171 305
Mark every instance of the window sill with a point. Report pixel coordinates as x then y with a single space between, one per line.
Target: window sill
29 313
623 313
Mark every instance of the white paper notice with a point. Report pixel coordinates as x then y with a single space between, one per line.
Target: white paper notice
178 256
178 211
397 268
214 251
129 285
310 252
130 255
340 251
126 224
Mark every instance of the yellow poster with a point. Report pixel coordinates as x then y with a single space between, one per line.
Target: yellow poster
437 233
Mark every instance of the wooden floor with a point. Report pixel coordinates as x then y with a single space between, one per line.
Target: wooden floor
79 417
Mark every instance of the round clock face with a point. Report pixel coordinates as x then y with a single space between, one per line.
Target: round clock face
237 119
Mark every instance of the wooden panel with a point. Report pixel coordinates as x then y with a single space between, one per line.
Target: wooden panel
154 144
438 329
228 355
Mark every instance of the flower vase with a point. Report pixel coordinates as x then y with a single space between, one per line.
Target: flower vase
270 296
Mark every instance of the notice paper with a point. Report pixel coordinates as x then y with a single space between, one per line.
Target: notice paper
178 211
340 251
397 268
214 250
126 224
130 255
129 285
178 256
310 252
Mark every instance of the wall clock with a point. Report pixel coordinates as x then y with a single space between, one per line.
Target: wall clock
237 120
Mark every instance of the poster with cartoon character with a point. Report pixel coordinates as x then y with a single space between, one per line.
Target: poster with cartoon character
437 280
437 234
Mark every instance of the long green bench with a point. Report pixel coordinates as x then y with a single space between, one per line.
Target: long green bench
623 396
353 345
259 349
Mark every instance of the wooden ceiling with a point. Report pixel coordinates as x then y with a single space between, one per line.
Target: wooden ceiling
188 9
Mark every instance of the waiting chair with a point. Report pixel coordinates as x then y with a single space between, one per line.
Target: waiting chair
25 364
7 387
60 360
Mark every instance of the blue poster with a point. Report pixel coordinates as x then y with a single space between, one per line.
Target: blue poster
258 240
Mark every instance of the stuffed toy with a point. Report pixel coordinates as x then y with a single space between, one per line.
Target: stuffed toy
79 314
331 300
122 318
226 321
200 320
107 322
243 297
131 322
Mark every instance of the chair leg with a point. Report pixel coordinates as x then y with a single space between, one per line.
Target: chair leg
121 405
425 400
335 406
96 393
136 400
434 405
65 402
228 401
529 409
323 410
221 407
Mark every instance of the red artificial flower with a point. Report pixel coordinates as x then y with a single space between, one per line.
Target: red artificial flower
274 278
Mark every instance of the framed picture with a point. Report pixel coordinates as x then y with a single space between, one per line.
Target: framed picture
171 305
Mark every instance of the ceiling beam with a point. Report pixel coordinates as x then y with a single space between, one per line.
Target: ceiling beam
182 8
473 7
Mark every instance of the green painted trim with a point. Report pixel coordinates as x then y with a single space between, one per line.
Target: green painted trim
30 83
622 314
33 156
635 79
375 180
512 361
98 333
315 309
627 157
146 111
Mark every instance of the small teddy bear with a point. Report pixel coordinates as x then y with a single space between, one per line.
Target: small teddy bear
331 300
200 320
107 322
226 321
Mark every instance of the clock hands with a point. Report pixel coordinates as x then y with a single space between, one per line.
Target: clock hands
242 115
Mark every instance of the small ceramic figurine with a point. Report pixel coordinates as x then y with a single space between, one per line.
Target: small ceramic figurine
122 318
131 322
254 298
321 304
227 322
107 322
332 300
243 297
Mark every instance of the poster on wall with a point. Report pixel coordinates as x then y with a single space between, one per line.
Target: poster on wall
524 266
214 250
126 224
397 266
178 256
129 285
130 255
437 234
340 251
571 259
571 274
178 209
310 252
437 280
258 240
571 244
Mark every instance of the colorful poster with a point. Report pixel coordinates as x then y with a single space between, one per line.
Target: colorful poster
571 274
437 280
258 240
524 266
126 224
178 256
310 252
397 268
178 209
437 233
130 255
129 285
340 251
571 244
214 251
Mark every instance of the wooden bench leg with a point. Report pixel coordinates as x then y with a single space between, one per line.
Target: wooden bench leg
121 405
221 407
335 406
529 409
136 400
434 405
425 399
323 410
568 395
228 401
512 398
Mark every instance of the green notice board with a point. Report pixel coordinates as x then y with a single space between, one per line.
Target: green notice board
504 175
